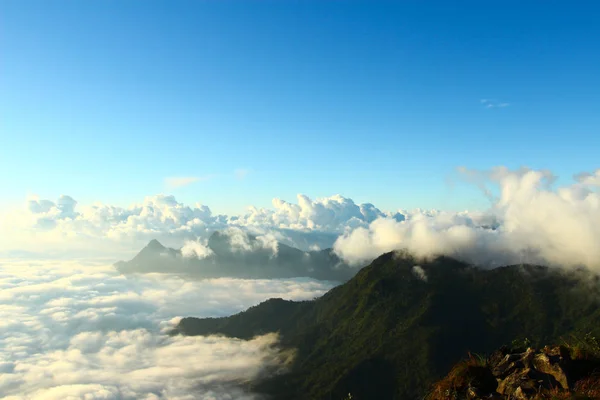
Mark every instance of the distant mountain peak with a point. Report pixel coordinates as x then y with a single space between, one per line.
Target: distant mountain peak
155 245
242 257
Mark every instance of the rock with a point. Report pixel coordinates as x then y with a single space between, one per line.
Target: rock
520 379
473 393
509 363
551 365
527 357
520 394
558 351
498 355
533 374
524 374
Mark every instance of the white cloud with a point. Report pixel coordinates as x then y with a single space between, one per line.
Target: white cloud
491 103
195 248
332 214
420 273
533 223
591 179
180 181
239 241
74 331
47 226
65 226
241 173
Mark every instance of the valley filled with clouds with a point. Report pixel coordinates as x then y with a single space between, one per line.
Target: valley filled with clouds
205 200
79 330
72 327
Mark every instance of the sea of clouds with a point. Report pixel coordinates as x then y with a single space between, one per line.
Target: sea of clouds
71 327
79 330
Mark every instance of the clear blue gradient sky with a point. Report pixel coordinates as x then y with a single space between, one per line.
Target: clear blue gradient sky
377 101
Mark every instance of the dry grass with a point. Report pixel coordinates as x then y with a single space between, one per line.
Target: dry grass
585 389
459 378
554 394
589 387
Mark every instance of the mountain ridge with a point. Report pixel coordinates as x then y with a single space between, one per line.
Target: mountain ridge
239 257
359 336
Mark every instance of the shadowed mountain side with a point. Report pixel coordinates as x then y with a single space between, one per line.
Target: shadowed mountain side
252 259
393 329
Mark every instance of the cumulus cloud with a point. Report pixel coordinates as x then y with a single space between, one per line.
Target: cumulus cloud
591 179
529 222
197 249
49 226
64 225
240 241
69 330
330 214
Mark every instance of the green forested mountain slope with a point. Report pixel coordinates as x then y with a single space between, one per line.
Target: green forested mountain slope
388 334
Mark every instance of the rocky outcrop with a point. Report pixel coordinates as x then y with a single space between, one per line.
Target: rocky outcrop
522 375
546 373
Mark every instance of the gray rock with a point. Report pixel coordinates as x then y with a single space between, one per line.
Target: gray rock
551 366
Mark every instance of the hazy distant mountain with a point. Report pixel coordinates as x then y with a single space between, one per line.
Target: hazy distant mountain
399 325
253 258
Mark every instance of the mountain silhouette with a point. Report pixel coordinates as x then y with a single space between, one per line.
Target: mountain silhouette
252 259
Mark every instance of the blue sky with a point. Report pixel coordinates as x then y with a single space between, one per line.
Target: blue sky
377 101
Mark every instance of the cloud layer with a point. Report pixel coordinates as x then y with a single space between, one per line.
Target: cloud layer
64 225
73 331
529 220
